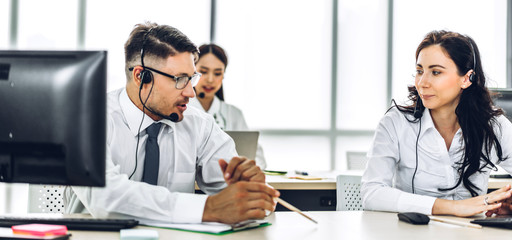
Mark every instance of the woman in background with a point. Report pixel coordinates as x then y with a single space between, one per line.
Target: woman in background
212 64
435 155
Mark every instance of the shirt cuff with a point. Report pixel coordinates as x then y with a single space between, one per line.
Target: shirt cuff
408 202
189 208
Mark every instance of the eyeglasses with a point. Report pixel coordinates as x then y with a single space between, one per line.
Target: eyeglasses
181 82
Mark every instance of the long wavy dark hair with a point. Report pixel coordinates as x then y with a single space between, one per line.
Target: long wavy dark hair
219 53
476 111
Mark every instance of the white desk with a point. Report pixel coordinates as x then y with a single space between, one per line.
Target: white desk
329 182
285 183
495 183
320 195
332 225
307 195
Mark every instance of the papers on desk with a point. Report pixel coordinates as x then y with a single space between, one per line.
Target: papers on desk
211 227
305 178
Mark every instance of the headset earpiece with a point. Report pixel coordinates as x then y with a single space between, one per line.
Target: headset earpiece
146 77
472 75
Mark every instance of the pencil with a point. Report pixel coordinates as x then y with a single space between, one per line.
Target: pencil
291 207
464 224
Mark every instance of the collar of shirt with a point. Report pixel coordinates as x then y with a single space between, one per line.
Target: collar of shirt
133 115
215 107
428 124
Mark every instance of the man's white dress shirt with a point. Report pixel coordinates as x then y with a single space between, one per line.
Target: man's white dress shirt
386 182
189 151
230 118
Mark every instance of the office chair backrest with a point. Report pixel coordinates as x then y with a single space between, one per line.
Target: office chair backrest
504 101
45 199
348 193
356 160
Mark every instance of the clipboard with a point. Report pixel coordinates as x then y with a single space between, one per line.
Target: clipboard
213 228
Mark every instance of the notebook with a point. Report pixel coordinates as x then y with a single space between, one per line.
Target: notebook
246 142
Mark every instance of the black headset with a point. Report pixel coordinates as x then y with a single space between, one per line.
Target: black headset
145 75
418 113
472 75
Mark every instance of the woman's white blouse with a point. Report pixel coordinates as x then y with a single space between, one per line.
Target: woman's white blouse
387 180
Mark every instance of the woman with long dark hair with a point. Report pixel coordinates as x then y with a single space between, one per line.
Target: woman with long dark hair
435 155
212 63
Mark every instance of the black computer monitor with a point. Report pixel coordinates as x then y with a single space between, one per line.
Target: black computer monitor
53 117
504 100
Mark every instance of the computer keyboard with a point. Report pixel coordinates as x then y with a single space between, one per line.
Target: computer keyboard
96 224
502 222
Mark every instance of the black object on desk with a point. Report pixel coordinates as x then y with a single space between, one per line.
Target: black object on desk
505 175
272 172
501 222
309 199
414 218
31 237
96 224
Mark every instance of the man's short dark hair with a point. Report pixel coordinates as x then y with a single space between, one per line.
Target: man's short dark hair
161 42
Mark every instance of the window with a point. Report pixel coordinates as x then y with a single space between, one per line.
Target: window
190 17
484 21
309 153
280 53
279 69
49 24
362 63
350 144
279 74
5 8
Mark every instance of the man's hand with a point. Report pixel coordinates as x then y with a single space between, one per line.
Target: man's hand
239 202
241 169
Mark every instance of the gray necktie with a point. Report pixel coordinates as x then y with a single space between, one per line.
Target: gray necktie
151 163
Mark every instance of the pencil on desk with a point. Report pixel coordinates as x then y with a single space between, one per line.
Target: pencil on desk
291 207
460 223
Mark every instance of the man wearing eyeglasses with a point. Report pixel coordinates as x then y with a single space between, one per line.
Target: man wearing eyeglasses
158 148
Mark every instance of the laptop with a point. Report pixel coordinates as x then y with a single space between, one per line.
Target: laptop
246 142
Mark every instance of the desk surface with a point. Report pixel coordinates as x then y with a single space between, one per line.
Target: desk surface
332 225
284 183
495 183
329 182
